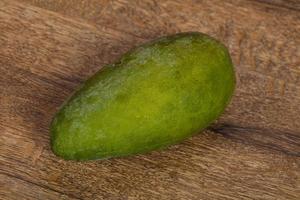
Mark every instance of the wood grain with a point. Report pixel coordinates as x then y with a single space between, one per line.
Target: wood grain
289 4
252 152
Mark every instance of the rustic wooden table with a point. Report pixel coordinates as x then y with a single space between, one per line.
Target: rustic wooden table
48 47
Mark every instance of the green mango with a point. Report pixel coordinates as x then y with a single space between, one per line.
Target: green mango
156 95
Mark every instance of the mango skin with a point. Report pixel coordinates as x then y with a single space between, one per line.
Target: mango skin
156 95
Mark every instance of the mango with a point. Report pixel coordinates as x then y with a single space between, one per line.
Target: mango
156 95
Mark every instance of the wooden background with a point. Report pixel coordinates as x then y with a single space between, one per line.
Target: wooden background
48 47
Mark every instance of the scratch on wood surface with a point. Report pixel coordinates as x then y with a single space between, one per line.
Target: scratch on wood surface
282 85
36 154
270 86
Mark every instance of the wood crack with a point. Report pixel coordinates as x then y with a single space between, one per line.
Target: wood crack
41 186
288 5
277 140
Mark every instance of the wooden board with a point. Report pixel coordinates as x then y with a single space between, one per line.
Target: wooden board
49 47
